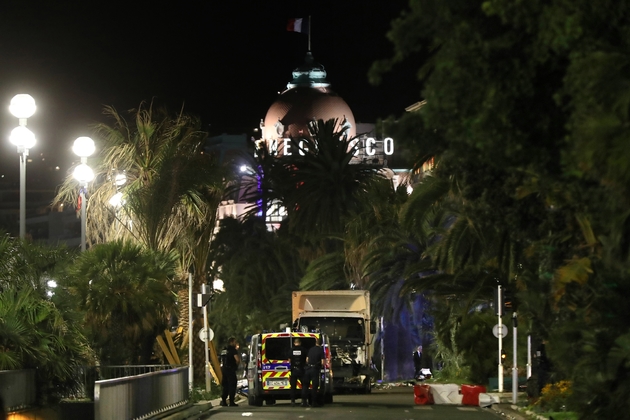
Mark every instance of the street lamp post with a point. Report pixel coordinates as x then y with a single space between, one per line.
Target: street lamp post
83 147
117 201
22 107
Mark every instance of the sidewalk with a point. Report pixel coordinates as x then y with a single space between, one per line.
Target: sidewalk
509 411
195 411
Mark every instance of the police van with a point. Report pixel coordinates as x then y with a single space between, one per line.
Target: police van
269 367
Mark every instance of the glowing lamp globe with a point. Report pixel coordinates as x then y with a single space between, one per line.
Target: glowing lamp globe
83 146
116 200
120 180
83 173
218 285
22 106
22 137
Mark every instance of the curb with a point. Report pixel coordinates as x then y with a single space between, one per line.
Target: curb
197 410
530 413
514 412
510 412
189 411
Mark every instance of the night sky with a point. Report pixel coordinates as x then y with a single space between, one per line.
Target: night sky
222 61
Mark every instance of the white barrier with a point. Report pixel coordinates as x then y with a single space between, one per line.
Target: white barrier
446 394
451 394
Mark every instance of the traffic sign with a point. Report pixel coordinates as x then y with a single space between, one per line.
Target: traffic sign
503 330
203 299
206 337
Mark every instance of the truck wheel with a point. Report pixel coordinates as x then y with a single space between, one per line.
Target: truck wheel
254 401
367 386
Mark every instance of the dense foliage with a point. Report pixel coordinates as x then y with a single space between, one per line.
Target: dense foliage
124 292
170 188
526 115
525 127
35 333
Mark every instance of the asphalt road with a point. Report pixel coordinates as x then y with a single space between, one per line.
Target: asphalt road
395 404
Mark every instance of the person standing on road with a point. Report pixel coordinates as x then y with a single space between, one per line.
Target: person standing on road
417 362
298 362
314 361
230 360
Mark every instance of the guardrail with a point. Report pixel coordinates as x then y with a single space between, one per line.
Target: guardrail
141 396
17 389
86 376
120 371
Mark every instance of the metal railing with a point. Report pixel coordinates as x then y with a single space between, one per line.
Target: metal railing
140 396
86 376
17 389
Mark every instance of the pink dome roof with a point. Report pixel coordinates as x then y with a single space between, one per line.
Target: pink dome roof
308 97
296 107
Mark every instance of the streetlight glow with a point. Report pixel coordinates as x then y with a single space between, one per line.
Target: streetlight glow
83 173
116 200
22 137
120 179
22 106
83 147
218 285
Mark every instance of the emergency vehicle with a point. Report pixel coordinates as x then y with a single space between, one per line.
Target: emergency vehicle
269 367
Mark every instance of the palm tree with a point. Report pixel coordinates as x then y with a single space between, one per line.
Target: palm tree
259 269
172 190
32 263
166 172
36 333
323 189
347 267
124 291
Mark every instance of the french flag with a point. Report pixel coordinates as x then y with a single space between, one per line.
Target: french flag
298 25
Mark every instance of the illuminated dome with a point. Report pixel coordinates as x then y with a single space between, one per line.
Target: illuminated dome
307 98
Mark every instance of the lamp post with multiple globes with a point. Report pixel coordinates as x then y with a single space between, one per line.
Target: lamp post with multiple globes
83 147
22 107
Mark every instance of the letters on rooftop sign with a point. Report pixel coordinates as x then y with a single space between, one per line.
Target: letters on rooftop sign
364 147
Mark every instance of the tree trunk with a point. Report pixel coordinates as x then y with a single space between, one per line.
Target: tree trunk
182 298
199 355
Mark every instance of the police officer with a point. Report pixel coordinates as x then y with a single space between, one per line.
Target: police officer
230 359
314 361
298 362
417 362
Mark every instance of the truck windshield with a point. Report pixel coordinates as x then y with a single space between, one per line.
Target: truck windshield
339 329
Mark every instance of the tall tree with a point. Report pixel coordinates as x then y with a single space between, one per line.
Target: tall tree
172 190
259 269
322 188
530 101
167 173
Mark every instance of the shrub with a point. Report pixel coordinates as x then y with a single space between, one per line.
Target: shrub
554 397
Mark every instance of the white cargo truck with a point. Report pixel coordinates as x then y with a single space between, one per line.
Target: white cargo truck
344 315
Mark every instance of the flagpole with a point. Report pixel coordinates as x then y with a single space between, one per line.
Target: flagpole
309 33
